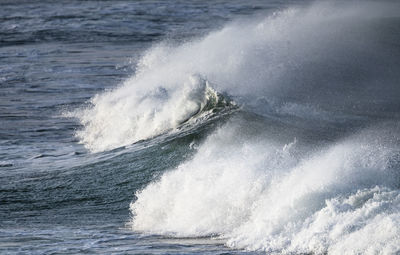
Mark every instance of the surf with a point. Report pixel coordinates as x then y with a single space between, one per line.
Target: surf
308 163
256 192
295 62
312 168
128 115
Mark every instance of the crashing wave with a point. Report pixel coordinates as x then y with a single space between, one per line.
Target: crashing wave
260 195
119 118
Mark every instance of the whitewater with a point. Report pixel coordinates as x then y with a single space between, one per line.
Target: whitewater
275 133
319 174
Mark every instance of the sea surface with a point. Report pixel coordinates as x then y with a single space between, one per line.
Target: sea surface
199 127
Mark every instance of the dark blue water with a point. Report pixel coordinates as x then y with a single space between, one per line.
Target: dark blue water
199 127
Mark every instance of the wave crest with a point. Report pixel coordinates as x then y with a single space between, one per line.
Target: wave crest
119 118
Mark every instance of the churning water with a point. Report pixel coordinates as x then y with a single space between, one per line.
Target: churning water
200 127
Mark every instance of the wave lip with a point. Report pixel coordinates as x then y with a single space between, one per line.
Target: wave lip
128 114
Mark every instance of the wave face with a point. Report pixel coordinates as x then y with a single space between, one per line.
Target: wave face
310 162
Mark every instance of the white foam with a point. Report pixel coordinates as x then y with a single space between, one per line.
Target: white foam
118 118
262 195
255 191
260 57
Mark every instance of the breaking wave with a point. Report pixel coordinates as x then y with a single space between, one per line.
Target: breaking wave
285 182
311 162
123 117
283 198
322 63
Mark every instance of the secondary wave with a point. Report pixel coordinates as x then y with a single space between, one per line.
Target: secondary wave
260 194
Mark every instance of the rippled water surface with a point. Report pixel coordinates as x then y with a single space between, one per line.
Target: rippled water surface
199 127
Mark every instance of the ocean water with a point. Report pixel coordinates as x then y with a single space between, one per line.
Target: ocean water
199 127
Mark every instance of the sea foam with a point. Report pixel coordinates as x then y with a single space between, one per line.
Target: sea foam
259 194
119 119
280 57
308 192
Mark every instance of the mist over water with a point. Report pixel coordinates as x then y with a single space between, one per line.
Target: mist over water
179 127
326 62
331 187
